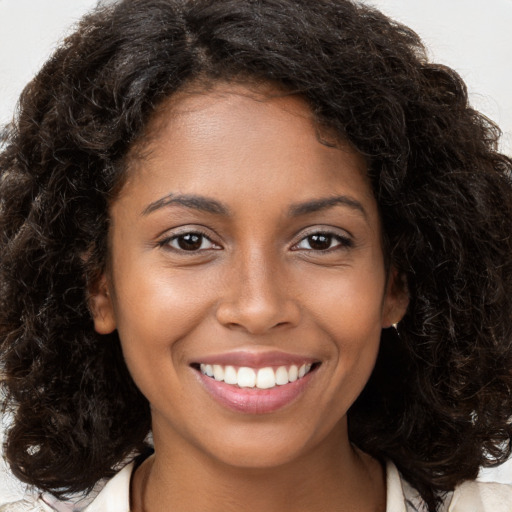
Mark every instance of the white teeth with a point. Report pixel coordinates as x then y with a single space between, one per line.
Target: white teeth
246 377
263 378
207 370
282 376
230 376
218 372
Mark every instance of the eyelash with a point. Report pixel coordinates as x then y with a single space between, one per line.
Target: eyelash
343 242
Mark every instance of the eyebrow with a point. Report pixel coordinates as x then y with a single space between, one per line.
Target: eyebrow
195 202
209 205
317 205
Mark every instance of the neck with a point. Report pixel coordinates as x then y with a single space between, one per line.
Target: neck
324 479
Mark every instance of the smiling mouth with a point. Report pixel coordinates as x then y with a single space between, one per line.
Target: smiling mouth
260 378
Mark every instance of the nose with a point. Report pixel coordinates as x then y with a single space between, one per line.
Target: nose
258 297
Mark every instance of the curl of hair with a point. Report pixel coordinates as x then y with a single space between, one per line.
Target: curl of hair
439 401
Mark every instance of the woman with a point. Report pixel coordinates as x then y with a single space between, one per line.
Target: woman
273 235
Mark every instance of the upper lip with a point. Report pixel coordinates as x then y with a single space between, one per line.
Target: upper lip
255 359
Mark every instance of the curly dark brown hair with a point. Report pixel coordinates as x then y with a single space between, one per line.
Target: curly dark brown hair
439 401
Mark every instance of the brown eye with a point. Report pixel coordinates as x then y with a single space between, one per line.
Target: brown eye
191 242
320 242
323 242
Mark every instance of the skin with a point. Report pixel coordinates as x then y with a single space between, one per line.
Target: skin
254 284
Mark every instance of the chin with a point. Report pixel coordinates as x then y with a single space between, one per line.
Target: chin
264 447
260 456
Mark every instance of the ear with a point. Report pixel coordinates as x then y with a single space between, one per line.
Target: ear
396 299
101 306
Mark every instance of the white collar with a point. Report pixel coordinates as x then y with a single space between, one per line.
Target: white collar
401 497
115 496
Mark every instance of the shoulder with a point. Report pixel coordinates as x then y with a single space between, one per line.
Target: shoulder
470 496
114 497
482 497
28 504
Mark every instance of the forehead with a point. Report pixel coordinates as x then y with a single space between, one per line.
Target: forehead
198 104
243 137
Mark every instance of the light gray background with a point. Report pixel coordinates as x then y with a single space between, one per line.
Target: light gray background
472 36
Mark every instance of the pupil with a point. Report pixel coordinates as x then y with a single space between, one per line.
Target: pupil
320 242
190 242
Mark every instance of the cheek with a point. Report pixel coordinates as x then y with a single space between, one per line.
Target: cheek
348 309
347 304
156 310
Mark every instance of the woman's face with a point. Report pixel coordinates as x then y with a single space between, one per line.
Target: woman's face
242 245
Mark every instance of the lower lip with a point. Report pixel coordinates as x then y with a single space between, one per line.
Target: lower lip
254 400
